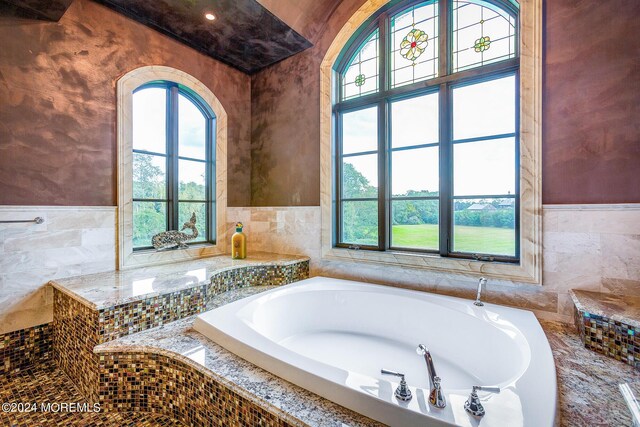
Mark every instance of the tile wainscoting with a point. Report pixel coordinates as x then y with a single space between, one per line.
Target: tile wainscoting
590 247
72 240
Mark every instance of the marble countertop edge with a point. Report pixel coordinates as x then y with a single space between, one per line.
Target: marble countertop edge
598 307
79 287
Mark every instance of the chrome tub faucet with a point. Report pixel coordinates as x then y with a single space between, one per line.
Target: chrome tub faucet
402 392
436 397
482 282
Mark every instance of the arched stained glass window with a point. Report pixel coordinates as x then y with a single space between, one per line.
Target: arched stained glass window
427 141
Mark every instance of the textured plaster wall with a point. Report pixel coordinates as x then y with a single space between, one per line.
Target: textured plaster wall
58 104
591 134
591 109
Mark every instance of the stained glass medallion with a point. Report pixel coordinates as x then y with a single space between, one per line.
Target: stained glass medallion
413 44
482 34
482 44
361 76
414 41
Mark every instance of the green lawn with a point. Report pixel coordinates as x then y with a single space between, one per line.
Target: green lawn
490 240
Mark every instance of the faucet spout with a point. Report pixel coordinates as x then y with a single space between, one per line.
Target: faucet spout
436 397
482 282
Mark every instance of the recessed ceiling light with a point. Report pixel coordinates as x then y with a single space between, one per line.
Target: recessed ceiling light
210 16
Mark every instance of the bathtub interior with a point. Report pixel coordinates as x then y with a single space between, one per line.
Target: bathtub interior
365 329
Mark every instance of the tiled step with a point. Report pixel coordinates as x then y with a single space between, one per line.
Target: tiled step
609 324
45 384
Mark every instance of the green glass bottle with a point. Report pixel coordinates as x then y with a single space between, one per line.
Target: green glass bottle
238 243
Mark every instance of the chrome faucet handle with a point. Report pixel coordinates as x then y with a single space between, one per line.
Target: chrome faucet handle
473 404
436 397
402 392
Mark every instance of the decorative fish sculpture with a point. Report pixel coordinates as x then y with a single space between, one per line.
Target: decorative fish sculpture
173 238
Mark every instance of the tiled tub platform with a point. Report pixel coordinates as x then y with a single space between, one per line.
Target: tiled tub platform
174 363
94 309
201 379
126 340
609 324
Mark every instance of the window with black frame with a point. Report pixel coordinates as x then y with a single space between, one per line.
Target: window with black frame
426 115
173 162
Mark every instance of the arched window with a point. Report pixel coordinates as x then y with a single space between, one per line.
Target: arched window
172 144
426 131
173 162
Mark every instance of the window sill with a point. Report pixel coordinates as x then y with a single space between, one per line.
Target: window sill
432 262
150 257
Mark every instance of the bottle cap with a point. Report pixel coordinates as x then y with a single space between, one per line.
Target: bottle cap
239 226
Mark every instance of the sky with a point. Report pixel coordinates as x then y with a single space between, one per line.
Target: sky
483 167
479 110
149 122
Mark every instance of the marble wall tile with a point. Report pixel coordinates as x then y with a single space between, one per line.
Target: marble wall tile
569 242
621 286
71 241
43 240
606 261
591 220
595 256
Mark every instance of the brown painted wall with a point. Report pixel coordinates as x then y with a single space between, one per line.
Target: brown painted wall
285 117
591 109
591 120
58 104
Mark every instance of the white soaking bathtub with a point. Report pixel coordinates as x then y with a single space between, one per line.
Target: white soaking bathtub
333 336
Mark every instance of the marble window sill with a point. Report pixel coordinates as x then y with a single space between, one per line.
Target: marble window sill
523 272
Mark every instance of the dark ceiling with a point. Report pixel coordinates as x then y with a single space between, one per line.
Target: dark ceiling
45 10
244 35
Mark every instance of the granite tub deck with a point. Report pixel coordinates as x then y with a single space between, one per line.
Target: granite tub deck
175 350
587 382
609 324
94 309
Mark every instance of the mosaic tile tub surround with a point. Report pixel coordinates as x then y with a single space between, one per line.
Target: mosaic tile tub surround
148 382
582 375
609 324
95 309
45 384
24 348
175 354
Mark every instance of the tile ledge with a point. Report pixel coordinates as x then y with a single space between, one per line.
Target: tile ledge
620 308
82 288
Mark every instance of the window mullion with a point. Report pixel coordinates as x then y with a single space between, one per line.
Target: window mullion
446 173
172 137
338 177
444 23
383 175
384 180
211 178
